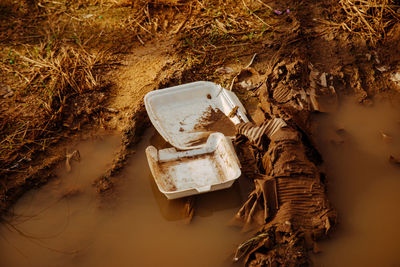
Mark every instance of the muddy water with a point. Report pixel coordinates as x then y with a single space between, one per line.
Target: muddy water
363 185
65 224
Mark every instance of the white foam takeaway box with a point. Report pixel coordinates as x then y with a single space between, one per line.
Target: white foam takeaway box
175 111
214 166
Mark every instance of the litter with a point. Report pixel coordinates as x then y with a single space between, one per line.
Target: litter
178 112
198 119
179 174
224 70
395 77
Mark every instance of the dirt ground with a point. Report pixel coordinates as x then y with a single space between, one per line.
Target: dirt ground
69 70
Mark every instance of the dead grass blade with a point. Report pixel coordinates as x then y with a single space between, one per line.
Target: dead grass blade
369 19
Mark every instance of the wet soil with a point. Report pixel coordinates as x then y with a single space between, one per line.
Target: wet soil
363 185
65 223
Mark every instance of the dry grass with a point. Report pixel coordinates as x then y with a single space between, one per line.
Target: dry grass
52 57
369 19
223 24
46 77
217 31
52 52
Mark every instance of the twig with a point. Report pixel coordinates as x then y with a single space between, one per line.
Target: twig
247 66
264 4
255 15
251 61
184 22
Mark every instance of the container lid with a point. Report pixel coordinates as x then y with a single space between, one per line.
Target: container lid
186 115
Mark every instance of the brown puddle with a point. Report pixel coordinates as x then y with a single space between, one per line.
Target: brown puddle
65 224
363 185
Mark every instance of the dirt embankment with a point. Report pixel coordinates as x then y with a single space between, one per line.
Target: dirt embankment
284 60
68 70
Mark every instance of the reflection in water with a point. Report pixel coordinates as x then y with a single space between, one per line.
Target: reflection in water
65 223
363 185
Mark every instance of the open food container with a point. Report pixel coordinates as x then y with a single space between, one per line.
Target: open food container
212 167
198 119
186 115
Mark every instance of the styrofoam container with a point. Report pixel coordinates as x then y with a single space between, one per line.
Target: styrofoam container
212 167
175 111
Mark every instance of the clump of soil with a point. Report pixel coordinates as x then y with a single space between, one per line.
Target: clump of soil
214 120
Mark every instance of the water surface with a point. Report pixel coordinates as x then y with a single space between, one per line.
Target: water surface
66 223
364 186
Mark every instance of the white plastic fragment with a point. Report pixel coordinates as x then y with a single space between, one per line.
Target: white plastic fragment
382 68
395 77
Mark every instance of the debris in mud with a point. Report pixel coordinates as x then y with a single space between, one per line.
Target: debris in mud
293 182
257 134
284 85
75 155
382 68
258 116
71 192
395 77
224 70
214 120
246 247
261 204
322 94
188 209
394 160
289 199
249 79
337 140
386 138
112 110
